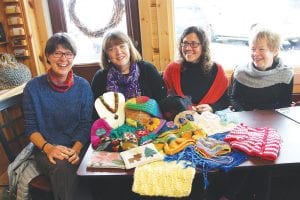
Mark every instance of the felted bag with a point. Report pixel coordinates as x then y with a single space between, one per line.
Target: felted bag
172 105
13 73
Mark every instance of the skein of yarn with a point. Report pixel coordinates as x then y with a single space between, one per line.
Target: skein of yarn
12 72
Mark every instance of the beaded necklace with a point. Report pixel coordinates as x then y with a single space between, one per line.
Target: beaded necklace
112 110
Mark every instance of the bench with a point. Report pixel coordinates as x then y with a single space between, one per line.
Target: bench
13 140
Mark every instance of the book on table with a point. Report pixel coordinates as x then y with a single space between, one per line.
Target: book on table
292 112
105 159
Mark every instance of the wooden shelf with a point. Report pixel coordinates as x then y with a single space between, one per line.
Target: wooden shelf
3 43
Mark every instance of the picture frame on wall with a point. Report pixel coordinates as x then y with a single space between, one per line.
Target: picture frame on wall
2 34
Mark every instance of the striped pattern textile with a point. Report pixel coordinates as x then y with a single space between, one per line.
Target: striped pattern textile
262 142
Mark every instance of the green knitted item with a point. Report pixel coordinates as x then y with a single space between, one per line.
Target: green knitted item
145 104
13 73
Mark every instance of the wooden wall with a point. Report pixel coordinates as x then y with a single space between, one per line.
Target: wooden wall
157 31
37 32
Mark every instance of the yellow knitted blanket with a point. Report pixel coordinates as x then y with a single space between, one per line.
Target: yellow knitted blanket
163 179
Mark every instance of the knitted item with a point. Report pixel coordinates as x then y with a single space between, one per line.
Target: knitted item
138 115
174 141
209 122
250 76
210 147
262 142
175 145
195 160
172 105
227 116
154 125
145 104
13 73
168 179
140 155
188 130
100 134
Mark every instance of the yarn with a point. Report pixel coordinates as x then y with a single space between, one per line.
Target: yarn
13 73
193 159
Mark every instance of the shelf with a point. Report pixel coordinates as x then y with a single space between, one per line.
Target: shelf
3 43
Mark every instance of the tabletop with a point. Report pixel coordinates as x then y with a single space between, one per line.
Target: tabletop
287 128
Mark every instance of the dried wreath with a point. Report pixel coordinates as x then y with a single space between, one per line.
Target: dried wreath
118 10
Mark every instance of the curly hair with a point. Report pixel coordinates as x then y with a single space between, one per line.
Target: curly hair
205 57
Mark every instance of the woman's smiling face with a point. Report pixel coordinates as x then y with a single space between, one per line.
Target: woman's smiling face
191 48
262 56
61 61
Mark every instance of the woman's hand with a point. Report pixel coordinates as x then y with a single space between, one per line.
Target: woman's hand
202 108
73 156
61 152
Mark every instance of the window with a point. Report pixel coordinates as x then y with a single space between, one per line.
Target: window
94 15
228 23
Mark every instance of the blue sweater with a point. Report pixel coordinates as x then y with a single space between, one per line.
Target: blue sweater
61 117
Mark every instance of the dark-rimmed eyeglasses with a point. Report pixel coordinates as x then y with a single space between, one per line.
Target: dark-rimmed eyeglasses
59 54
191 44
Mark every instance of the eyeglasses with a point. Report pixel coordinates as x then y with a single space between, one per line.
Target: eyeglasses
191 44
59 54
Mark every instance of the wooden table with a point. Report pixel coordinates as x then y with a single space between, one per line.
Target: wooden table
286 165
288 129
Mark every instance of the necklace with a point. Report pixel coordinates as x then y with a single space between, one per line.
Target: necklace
112 110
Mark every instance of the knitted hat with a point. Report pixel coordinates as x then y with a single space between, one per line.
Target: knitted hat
172 105
144 103
100 134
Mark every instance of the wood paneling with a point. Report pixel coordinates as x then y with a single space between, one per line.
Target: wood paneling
157 31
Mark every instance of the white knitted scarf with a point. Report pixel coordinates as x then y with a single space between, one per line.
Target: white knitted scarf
250 76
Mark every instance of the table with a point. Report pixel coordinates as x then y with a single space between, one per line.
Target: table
288 129
287 160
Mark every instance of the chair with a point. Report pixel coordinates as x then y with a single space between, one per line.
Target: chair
13 140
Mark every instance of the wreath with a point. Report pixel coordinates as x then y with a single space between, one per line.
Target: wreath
118 11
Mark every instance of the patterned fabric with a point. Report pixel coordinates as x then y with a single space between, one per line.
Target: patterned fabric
117 81
140 155
100 134
210 147
262 142
60 87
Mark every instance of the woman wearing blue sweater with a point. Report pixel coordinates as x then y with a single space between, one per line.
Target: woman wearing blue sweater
58 109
